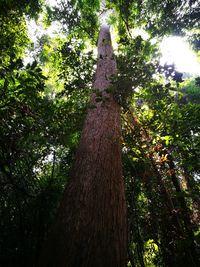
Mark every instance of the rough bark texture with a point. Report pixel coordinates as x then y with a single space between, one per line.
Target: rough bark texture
91 230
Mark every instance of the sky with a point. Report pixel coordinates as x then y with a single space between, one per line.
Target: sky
176 50
52 2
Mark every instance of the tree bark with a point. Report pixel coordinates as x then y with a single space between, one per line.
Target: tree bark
91 225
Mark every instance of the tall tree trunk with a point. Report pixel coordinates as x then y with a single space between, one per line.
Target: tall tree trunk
91 227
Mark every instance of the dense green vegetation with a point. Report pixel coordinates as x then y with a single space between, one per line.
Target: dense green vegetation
42 109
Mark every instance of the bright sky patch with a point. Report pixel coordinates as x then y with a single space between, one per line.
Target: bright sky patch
176 50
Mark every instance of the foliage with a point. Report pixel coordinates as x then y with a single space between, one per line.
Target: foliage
76 16
157 17
30 8
13 39
30 130
190 89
